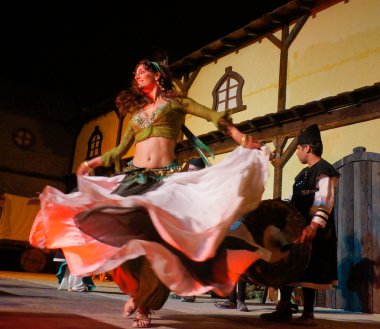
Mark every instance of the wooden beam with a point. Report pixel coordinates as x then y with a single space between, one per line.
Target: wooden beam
191 79
296 29
272 38
251 33
207 53
347 115
288 152
179 84
279 145
271 18
227 43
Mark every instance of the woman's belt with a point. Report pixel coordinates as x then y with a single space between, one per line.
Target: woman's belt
172 167
139 180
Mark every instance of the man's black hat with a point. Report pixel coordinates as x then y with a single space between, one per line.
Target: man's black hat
310 135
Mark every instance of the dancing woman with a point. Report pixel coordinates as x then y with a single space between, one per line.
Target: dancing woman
159 231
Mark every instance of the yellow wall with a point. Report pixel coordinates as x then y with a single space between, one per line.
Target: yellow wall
336 51
260 86
108 125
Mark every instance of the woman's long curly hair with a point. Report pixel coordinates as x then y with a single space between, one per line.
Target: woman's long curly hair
132 99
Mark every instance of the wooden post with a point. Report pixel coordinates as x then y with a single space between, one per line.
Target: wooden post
119 129
283 69
279 144
283 44
281 158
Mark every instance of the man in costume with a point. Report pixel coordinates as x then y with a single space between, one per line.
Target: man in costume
313 196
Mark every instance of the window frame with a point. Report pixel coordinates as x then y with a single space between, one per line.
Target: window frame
21 135
227 77
94 145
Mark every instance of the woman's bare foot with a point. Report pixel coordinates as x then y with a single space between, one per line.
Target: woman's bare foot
129 308
142 319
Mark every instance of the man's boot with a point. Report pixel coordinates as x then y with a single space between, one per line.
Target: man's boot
283 313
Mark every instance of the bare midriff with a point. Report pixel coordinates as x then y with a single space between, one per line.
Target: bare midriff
154 152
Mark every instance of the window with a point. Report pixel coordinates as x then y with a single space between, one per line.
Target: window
23 138
227 93
95 144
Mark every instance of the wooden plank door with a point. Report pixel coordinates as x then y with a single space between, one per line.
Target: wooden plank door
357 213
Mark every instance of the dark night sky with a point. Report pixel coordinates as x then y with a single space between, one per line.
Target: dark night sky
87 50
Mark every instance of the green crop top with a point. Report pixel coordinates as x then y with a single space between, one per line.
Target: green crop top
166 121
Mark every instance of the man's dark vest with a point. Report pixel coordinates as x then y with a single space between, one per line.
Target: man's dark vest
304 188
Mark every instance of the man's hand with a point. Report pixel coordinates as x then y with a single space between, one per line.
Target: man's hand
309 232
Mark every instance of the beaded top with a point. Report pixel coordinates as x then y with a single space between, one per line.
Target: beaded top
144 122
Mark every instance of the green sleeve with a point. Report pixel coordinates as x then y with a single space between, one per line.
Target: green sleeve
114 155
192 107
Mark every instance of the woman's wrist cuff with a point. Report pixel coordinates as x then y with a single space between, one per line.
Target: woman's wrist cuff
87 165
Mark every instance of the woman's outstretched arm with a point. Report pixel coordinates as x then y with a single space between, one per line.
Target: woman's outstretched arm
247 141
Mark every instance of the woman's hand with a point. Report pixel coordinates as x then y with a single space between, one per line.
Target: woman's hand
247 141
250 142
225 124
87 167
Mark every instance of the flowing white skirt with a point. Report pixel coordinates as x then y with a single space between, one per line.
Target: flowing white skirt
191 211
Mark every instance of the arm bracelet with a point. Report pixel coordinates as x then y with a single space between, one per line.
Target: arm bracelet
87 165
244 140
